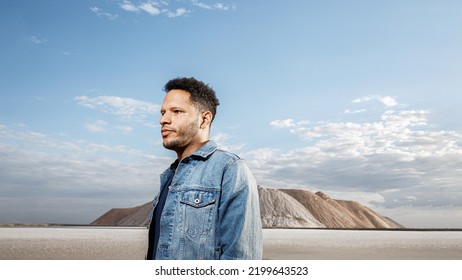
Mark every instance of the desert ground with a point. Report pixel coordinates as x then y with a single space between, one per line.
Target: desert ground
109 243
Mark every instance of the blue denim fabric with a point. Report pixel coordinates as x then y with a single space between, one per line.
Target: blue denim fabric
212 209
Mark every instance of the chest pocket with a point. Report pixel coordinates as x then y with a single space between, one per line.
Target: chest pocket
197 212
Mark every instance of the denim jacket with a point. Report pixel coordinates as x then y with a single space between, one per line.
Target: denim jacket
212 208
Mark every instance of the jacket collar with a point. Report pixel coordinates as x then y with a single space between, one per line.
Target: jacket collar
205 150
203 153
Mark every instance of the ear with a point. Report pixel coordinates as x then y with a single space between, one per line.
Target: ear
207 117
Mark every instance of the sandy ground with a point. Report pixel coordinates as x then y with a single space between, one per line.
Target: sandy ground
361 245
89 243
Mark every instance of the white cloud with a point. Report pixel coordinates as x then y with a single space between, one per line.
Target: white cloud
398 158
202 5
129 7
39 141
101 13
223 141
220 137
215 6
348 111
96 126
388 101
179 12
224 7
149 8
385 100
405 118
44 180
127 108
260 157
172 9
283 123
37 40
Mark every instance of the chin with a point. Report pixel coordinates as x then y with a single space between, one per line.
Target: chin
170 145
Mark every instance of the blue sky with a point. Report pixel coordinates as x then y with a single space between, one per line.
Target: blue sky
358 99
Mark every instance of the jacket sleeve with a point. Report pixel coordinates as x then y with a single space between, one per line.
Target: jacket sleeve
239 214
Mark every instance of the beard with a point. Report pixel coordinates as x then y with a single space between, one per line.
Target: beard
184 136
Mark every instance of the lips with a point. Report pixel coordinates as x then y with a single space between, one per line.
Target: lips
166 131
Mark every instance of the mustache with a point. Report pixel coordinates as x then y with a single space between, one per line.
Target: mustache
168 128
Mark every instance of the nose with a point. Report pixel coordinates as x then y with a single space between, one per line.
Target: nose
164 119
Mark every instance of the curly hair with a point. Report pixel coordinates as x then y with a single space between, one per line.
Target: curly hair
202 95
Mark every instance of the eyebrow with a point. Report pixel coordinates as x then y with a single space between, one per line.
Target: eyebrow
172 108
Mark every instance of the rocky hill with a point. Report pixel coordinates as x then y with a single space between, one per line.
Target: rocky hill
134 216
281 208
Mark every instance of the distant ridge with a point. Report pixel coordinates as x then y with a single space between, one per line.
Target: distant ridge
334 213
280 208
134 216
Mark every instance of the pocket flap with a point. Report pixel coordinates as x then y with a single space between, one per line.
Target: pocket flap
196 198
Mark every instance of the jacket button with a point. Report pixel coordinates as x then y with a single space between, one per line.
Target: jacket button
197 200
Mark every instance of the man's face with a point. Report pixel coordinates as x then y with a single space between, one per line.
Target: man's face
179 121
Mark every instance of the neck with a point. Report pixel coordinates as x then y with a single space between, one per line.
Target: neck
190 149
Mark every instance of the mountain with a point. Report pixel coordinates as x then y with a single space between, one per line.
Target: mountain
134 216
279 208
334 213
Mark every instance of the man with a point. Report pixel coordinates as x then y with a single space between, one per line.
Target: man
208 206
